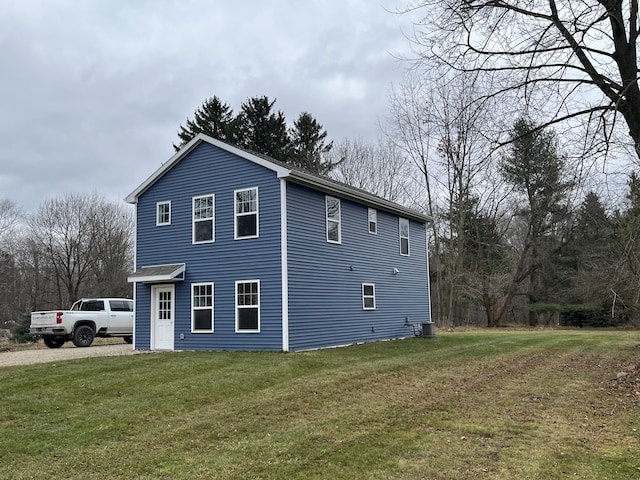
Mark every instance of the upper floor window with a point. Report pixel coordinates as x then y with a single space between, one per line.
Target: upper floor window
163 215
202 307
246 213
373 220
333 220
203 219
404 236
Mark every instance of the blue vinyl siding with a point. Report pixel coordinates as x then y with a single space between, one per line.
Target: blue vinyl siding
206 170
142 329
325 279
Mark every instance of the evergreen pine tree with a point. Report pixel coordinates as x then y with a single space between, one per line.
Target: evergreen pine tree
593 226
262 130
308 145
535 169
213 118
591 260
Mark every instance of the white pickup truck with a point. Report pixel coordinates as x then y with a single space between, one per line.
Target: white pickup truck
87 319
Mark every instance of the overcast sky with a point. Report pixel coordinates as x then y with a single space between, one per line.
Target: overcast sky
93 91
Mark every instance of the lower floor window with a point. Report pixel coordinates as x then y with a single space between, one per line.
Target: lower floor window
248 306
368 296
202 307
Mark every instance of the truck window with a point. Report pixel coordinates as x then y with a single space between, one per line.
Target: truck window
121 306
92 306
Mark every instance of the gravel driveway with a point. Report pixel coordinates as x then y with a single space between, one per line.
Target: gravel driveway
47 355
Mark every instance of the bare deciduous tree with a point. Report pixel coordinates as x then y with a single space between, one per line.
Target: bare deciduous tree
62 230
9 215
573 60
9 219
112 255
436 120
408 128
82 244
380 169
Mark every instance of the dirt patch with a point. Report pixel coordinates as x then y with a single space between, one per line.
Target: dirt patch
8 346
29 354
627 382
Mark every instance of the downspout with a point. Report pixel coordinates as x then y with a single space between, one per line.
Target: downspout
135 267
284 265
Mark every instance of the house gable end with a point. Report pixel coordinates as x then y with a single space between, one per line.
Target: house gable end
217 265
188 148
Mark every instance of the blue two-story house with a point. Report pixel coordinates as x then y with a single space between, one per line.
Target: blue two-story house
237 251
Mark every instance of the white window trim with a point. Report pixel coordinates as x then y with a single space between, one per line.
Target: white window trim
194 308
158 222
236 214
237 307
400 237
364 307
375 222
327 220
213 219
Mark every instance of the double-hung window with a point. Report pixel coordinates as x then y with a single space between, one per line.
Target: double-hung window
248 306
368 296
163 213
333 219
202 307
203 219
246 213
373 220
404 236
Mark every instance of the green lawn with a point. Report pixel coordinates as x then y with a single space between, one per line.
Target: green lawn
491 405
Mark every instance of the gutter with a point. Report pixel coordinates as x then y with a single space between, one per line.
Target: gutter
360 196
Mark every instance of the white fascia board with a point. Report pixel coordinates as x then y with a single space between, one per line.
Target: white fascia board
169 164
280 171
165 167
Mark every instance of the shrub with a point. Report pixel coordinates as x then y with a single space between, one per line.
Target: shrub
20 331
592 316
584 315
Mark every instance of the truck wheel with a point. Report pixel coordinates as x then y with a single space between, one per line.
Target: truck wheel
52 342
83 336
128 339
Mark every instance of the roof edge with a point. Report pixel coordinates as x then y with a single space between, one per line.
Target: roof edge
193 143
294 175
360 196
159 273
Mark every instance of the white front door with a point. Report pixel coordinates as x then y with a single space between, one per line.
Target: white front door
162 311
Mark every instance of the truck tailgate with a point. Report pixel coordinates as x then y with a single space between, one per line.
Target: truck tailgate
41 319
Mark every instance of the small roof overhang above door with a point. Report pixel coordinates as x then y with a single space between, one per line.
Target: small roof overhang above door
159 274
